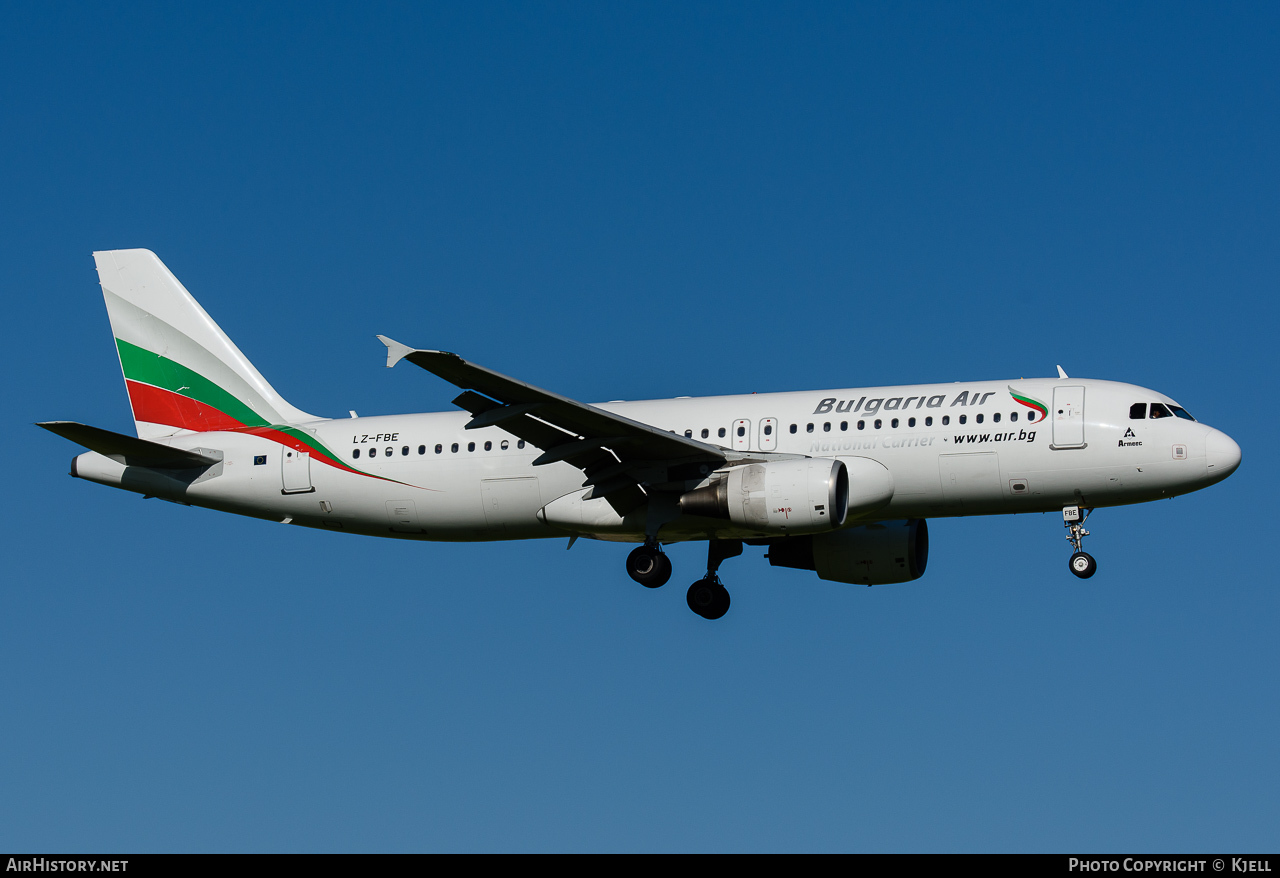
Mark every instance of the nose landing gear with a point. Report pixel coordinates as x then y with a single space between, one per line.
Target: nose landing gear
1081 563
708 597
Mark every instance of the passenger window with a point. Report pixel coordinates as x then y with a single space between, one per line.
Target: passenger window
793 429
1013 416
1031 416
505 445
894 423
978 419
471 446
911 422
488 446
439 448
356 454
520 444
404 452
964 418
768 430
1159 411
862 425
688 434
373 452
1138 411
742 431
826 427
946 419
879 423
422 449
705 432
996 417
808 428
720 432
390 452
844 426
454 448
928 422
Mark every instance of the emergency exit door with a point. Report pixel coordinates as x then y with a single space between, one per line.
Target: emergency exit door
768 434
741 435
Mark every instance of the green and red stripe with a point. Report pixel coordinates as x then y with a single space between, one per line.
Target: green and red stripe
162 391
1030 403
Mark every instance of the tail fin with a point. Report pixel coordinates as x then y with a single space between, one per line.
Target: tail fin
181 370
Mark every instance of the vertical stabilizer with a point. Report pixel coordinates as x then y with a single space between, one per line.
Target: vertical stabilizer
181 370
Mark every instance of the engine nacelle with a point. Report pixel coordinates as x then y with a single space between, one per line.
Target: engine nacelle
805 495
879 553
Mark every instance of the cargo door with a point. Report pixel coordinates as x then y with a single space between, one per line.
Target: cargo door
403 516
970 479
1068 417
511 504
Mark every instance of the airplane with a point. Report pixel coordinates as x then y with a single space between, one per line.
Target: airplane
839 482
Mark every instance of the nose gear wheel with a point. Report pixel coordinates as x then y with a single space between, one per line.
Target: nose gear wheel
1081 563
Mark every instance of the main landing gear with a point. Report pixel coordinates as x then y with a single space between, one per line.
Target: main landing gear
1081 563
649 566
708 597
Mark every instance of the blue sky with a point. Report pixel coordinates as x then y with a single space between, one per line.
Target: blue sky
632 201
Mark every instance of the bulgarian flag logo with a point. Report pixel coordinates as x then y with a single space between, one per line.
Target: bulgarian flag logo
1030 403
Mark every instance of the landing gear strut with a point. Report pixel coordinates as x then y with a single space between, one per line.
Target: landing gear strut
649 566
1081 563
708 597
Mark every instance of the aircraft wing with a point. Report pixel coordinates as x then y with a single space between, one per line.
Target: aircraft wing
609 448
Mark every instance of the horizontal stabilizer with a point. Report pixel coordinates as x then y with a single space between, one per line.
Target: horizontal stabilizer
128 450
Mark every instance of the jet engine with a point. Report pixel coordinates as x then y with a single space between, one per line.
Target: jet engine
879 553
805 495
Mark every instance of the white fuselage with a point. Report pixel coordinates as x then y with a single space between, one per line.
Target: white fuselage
972 450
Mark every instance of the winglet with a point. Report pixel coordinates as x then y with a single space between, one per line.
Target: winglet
395 351
1061 374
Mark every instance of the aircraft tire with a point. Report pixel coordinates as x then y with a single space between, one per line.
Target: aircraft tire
649 566
1083 565
708 598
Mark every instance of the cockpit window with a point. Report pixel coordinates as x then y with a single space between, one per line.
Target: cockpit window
1138 411
1181 412
1158 410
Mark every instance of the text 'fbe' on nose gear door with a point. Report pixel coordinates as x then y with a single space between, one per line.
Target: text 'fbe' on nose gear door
295 472
1068 417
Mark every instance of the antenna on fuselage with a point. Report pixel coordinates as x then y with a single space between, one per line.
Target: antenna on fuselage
1061 374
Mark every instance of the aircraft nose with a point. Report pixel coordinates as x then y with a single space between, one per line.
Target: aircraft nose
1222 455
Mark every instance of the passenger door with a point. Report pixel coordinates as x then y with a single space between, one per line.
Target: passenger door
295 472
1068 417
